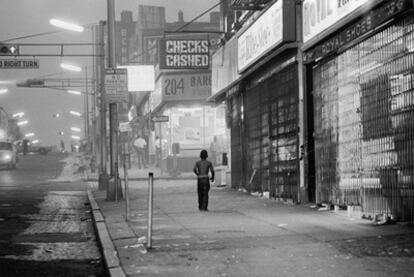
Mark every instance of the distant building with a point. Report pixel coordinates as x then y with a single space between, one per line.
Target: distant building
3 124
9 130
138 42
13 130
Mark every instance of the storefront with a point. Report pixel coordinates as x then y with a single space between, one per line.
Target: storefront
191 124
360 58
261 94
226 90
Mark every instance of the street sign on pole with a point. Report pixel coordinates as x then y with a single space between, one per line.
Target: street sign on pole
160 118
19 64
116 85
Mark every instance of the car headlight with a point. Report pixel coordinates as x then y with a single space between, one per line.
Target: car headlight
7 157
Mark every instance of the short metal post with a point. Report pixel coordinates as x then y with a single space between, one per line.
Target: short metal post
126 186
150 206
116 181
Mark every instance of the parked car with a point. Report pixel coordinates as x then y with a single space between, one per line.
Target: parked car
8 154
33 148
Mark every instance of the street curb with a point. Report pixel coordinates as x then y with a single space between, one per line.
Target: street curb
111 259
146 179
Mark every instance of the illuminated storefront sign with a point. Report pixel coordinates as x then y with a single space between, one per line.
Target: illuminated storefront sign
361 27
181 88
186 87
319 15
185 54
272 28
224 71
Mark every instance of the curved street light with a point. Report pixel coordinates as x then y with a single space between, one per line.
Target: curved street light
66 25
75 129
75 92
24 122
71 67
18 115
75 113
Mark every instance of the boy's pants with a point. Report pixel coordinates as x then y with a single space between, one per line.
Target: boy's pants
203 186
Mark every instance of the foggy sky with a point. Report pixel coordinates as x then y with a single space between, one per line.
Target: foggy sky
26 17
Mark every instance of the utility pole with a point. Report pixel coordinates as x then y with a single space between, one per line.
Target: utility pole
103 176
114 191
87 133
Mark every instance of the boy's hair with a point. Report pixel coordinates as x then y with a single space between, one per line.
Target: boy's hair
203 154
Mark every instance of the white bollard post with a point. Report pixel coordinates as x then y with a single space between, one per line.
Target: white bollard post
150 206
127 208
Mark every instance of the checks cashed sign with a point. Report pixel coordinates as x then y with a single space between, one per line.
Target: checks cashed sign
185 54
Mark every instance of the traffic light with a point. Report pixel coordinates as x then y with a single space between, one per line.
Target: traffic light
32 83
9 49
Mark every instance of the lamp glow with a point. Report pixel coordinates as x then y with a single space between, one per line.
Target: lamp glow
75 129
75 113
35 141
3 90
24 122
66 25
29 135
75 137
75 92
71 67
18 115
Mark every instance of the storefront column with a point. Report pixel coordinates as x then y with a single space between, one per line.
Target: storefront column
301 115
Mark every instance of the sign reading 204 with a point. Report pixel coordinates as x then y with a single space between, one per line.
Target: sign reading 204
174 86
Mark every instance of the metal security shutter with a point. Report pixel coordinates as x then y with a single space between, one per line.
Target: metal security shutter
364 124
256 143
283 119
234 105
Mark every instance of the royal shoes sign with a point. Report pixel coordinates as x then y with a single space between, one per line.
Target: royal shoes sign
319 15
371 20
185 54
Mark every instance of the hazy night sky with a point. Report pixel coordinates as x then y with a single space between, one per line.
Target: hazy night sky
26 17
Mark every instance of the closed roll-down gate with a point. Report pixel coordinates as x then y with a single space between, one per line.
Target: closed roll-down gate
271 135
364 124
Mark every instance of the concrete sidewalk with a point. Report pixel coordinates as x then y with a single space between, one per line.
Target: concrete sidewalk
134 173
243 235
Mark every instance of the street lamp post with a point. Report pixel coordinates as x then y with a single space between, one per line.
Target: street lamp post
103 176
86 107
114 191
72 67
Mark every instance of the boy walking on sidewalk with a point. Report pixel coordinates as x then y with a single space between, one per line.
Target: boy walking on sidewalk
201 169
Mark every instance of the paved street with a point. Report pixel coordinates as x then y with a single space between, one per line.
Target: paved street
45 222
243 235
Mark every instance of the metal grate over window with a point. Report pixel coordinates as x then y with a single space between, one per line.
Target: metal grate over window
364 124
